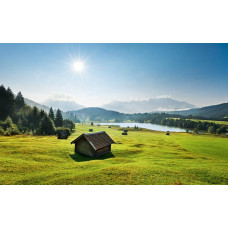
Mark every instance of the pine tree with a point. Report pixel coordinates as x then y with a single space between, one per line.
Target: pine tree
42 113
58 119
47 126
51 114
36 117
3 103
19 101
7 102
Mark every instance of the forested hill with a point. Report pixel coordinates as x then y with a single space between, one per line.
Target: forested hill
99 114
16 117
213 111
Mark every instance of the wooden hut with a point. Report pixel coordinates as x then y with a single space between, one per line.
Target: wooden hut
63 134
125 132
93 144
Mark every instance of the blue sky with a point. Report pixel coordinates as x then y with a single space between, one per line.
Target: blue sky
196 73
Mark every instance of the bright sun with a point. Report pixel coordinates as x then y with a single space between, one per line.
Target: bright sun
78 66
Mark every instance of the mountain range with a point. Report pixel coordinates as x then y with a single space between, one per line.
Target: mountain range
129 107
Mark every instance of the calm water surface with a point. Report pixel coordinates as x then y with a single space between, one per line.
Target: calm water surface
155 127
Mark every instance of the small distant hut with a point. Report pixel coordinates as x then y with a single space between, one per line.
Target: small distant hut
125 132
90 130
63 134
93 144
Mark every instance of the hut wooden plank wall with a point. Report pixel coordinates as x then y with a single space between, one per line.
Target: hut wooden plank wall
93 144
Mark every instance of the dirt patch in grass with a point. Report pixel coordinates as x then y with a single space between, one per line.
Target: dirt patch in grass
178 182
137 145
187 157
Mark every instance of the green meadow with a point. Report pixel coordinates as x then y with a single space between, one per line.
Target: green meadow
214 121
142 157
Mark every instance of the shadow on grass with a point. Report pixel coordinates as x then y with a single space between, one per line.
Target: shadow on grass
82 158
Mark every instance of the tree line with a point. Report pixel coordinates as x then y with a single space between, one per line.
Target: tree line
16 117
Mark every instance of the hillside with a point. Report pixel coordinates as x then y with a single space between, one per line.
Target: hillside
98 114
39 106
213 111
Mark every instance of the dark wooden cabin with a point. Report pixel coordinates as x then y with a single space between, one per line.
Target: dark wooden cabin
63 135
125 132
93 144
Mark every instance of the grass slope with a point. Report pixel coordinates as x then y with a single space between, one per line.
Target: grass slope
142 157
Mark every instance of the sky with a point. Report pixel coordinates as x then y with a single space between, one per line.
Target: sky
195 73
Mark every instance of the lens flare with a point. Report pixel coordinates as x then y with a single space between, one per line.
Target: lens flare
78 66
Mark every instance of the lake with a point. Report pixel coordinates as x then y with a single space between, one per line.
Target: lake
155 127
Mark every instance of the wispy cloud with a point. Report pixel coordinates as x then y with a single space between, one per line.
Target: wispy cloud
60 97
163 96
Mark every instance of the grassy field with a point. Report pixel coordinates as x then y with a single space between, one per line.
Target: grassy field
209 121
142 157
214 121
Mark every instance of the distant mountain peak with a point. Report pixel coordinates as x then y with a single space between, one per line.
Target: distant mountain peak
63 105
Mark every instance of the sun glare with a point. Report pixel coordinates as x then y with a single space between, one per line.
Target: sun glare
78 66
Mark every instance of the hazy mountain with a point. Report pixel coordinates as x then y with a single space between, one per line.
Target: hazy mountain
214 111
156 104
63 105
39 106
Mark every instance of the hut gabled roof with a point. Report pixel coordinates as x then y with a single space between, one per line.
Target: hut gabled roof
97 140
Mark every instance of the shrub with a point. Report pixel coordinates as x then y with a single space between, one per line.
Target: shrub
221 130
8 123
1 131
211 129
68 124
58 130
13 130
